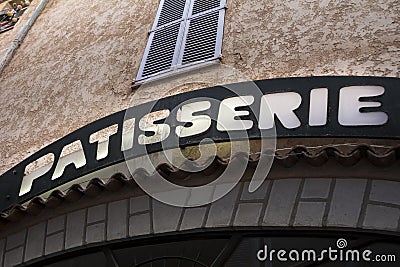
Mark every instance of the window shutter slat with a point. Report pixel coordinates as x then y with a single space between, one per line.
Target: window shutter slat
171 10
184 32
204 30
204 5
161 50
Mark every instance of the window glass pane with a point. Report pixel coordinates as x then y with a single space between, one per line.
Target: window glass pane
185 253
94 259
193 252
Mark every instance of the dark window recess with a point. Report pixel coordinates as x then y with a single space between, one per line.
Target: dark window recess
185 32
162 49
232 249
196 253
93 259
11 13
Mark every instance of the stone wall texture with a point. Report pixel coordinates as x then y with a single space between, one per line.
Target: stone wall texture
78 60
350 204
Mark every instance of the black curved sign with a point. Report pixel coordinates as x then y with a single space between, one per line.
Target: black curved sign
364 107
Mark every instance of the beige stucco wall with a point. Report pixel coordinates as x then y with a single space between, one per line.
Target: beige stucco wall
303 38
3 6
77 62
75 66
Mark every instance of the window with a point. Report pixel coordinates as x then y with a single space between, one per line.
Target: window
231 249
184 33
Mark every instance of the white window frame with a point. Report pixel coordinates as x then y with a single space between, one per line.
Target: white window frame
177 66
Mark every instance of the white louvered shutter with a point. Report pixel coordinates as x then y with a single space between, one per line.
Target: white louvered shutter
200 6
161 53
201 39
184 32
171 10
203 32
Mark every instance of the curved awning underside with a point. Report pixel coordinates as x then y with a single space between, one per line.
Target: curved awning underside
363 161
